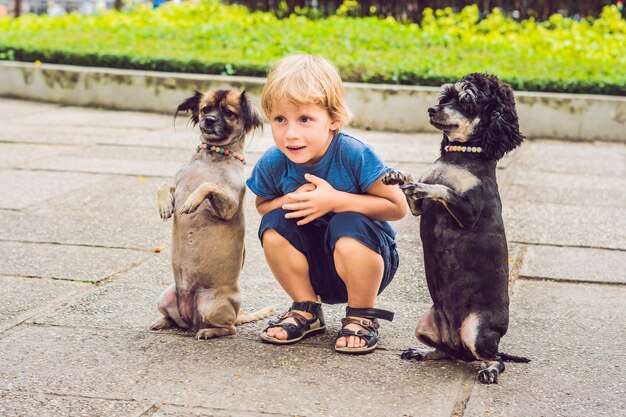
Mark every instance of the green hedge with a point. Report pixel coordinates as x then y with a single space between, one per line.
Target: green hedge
556 55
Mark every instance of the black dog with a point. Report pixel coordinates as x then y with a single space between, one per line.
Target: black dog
465 249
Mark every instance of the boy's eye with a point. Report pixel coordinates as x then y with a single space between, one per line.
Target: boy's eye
279 119
304 119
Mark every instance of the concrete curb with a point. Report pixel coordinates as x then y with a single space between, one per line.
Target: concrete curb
375 106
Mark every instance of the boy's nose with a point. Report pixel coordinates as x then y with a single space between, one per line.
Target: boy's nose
292 132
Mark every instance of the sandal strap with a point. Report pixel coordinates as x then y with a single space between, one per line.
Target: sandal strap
371 325
370 335
299 318
370 313
302 323
307 306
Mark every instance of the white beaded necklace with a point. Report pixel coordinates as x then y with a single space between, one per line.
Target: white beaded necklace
456 148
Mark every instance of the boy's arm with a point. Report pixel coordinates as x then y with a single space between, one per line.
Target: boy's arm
382 202
264 206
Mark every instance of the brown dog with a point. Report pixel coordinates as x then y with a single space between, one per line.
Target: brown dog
208 233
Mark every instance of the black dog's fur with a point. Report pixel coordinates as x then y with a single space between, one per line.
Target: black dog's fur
462 231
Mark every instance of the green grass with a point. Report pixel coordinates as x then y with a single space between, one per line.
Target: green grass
556 55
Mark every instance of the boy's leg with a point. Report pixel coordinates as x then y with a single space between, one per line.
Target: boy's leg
285 244
291 269
361 269
365 259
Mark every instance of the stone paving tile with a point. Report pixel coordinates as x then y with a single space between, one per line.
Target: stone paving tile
154 272
118 212
574 336
95 230
59 116
117 198
18 191
15 154
61 135
105 166
51 405
74 361
249 373
180 137
108 307
574 264
74 263
20 297
568 189
10 109
179 370
559 224
182 411
574 158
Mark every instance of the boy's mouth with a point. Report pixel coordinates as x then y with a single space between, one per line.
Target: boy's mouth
295 149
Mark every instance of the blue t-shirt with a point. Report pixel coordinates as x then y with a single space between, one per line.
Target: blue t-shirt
349 165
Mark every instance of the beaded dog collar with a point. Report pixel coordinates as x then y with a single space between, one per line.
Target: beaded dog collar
474 149
217 149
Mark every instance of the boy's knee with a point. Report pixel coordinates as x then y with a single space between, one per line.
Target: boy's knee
349 222
347 247
276 222
271 238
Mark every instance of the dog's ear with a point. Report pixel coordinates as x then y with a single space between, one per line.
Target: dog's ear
191 104
250 115
501 132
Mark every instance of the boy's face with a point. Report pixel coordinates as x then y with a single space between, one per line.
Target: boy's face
302 132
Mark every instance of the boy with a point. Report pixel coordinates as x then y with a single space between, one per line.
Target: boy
324 229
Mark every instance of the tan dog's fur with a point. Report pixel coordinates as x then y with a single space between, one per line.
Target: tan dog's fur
208 232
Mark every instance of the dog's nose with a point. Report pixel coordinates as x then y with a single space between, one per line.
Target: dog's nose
432 110
209 119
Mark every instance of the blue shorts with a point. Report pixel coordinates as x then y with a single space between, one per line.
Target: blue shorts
316 241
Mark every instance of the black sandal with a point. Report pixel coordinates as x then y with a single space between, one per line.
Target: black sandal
303 327
367 319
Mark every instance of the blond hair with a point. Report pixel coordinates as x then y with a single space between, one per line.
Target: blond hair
306 79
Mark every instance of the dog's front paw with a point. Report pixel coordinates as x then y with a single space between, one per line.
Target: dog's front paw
192 203
166 210
414 191
395 177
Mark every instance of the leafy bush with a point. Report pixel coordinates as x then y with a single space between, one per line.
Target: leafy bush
559 54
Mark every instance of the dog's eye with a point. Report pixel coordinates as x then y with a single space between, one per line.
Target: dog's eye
205 109
228 113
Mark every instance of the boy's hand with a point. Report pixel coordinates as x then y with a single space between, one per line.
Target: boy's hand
310 201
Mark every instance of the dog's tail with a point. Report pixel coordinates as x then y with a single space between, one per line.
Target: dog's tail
245 317
512 358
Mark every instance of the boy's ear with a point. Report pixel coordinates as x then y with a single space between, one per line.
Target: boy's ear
334 125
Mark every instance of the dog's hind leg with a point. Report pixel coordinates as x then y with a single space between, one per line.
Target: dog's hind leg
483 343
218 315
427 333
488 374
424 354
168 306
165 200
